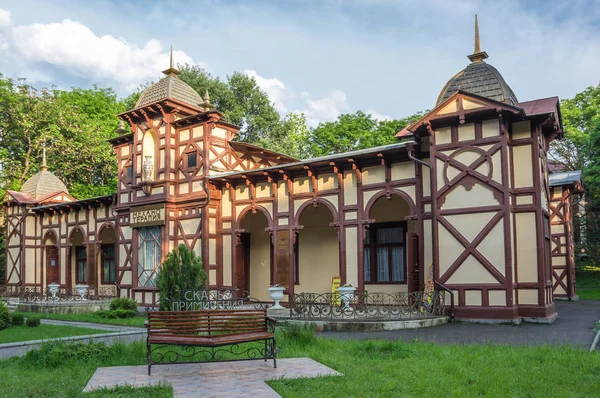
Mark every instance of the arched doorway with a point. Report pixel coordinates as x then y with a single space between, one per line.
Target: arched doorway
77 268
253 259
107 271
52 264
317 254
390 262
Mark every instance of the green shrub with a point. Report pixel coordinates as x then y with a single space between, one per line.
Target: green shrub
58 353
33 321
181 271
4 315
114 314
123 303
302 334
17 319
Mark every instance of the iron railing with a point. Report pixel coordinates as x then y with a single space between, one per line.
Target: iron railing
43 295
367 306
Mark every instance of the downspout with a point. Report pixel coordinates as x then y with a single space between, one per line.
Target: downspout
410 150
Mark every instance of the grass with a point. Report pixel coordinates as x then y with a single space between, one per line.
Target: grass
397 369
370 368
137 321
42 332
588 282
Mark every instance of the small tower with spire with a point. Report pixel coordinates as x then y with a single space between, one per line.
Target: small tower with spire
478 55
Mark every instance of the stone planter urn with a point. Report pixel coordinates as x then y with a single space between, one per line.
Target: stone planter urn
276 294
82 291
53 289
346 294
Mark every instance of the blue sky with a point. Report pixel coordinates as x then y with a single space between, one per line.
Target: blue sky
323 58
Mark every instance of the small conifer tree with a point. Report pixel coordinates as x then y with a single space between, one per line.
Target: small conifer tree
181 271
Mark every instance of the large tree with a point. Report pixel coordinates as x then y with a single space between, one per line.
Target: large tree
579 114
73 126
355 131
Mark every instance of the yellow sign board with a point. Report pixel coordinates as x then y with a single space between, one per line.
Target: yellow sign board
336 281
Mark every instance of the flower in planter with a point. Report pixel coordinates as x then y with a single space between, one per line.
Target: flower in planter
276 285
347 285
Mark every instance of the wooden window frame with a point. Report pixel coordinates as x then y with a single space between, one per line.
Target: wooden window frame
186 159
114 266
372 246
81 258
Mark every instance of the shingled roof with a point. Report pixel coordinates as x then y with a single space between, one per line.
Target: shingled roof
482 79
169 87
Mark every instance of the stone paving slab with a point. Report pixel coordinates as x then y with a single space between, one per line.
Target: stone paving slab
216 379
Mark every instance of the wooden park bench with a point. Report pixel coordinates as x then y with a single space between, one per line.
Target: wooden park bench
210 331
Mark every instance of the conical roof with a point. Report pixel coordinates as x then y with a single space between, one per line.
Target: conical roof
169 86
479 78
43 183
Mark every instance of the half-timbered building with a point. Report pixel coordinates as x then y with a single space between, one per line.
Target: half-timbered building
465 188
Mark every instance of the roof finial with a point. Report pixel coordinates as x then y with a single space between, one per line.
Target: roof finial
475 51
477 55
172 71
207 103
44 166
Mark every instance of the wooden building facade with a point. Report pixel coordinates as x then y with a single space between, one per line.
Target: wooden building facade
465 189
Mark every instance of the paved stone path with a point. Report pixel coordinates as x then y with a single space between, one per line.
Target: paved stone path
573 327
220 379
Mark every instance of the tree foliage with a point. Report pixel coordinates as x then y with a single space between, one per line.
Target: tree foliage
579 115
580 150
181 271
355 131
73 125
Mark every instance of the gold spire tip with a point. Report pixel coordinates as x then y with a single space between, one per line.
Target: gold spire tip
477 55
172 71
44 166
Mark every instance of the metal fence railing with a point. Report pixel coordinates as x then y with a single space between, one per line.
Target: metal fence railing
43 295
367 306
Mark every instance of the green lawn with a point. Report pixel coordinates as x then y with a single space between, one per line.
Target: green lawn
588 282
91 317
42 332
370 368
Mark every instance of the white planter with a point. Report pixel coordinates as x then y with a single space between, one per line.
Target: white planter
53 289
346 294
82 291
276 294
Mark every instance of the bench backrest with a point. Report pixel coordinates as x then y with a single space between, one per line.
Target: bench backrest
207 322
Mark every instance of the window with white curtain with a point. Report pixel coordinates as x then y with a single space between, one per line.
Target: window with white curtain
149 255
384 253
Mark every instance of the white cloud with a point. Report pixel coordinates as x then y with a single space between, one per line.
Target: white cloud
318 110
325 109
5 18
378 116
275 89
73 47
